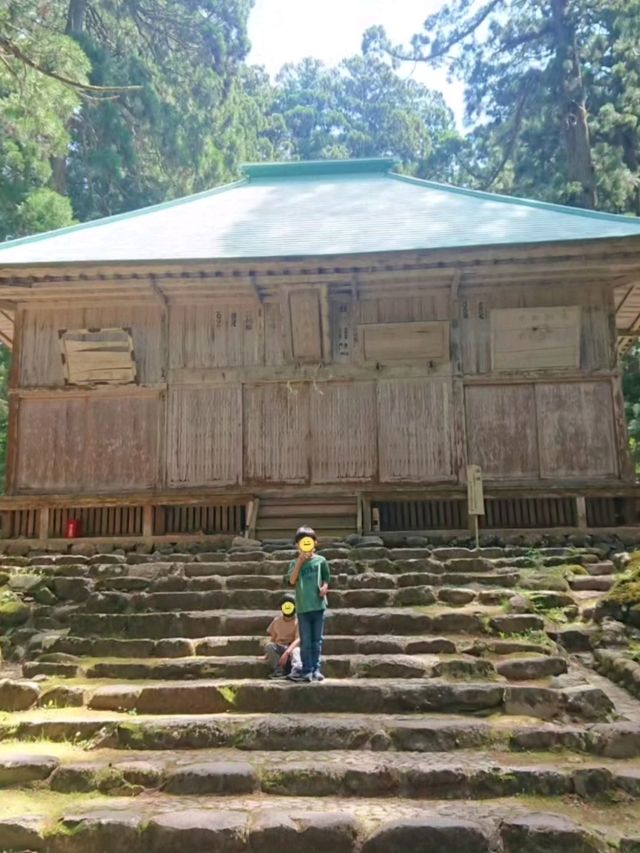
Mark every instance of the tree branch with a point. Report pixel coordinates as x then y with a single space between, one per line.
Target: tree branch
487 182
8 47
439 51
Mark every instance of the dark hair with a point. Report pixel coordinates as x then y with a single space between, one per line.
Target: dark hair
301 532
288 598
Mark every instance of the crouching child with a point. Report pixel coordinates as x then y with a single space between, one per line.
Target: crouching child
283 647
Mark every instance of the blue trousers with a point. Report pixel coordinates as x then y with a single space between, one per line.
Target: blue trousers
311 625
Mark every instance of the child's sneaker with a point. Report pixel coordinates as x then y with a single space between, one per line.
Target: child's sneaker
277 673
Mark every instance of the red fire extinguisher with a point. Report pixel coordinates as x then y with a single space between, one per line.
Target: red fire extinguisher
72 529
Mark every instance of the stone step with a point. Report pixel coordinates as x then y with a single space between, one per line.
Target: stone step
468 775
249 824
396 665
341 581
180 647
73 583
339 550
250 599
606 567
320 732
366 696
597 583
196 624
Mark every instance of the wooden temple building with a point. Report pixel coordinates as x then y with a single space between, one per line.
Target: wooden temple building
326 342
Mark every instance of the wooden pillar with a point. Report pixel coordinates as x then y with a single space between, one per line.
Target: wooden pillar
7 524
43 523
581 512
147 523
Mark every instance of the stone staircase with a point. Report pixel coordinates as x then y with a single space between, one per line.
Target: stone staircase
460 710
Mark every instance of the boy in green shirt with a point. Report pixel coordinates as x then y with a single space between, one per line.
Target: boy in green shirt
309 573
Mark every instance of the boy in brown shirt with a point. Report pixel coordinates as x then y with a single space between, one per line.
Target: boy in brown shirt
283 649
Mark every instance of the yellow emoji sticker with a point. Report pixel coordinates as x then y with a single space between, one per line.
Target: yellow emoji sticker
288 608
306 545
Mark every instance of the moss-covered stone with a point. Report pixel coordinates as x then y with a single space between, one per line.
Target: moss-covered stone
13 611
624 597
25 582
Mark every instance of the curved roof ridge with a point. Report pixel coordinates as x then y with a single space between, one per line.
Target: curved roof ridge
512 199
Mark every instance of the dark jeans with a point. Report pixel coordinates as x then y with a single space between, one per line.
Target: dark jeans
274 651
311 626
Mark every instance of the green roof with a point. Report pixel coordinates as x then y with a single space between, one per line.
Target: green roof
331 207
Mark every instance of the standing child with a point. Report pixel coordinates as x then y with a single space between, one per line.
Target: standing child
309 573
282 651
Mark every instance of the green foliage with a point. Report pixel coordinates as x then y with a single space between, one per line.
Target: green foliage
552 94
35 112
362 108
557 615
185 127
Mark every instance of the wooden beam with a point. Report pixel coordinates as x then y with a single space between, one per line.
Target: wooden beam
624 298
97 391
253 512
456 280
325 319
253 278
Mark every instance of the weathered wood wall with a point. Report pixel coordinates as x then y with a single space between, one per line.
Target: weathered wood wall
385 382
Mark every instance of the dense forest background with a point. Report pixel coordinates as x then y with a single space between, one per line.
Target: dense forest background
110 105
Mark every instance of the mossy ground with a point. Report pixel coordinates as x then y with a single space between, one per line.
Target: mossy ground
621 818
48 804
625 593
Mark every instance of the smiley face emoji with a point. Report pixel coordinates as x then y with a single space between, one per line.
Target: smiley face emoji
288 608
307 545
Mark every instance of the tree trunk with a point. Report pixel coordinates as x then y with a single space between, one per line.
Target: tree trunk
75 17
573 107
74 26
630 157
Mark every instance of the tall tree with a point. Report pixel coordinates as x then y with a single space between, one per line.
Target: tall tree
540 78
178 132
152 98
41 74
362 108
